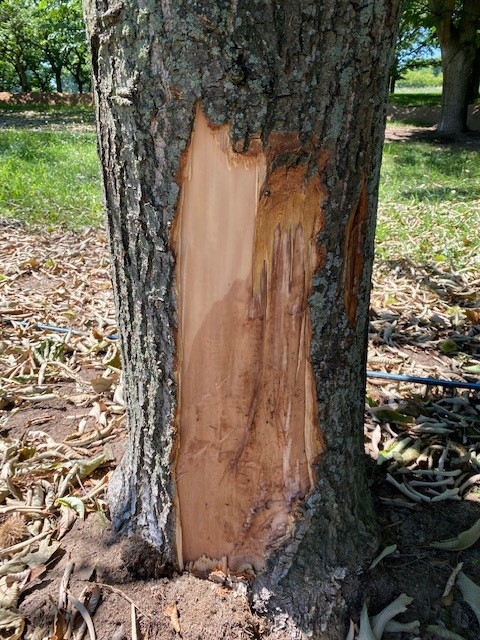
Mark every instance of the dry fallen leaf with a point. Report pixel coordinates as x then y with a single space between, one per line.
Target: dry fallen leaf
386 552
171 611
473 315
470 592
101 384
447 596
464 540
380 621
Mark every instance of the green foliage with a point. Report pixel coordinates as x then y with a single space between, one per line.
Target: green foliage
429 204
422 78
7 74
62 38
40 42
19 50
416 40
50 178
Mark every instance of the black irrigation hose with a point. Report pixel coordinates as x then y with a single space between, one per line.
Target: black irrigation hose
433 382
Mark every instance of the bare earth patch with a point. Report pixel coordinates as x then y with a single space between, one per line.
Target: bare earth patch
419 123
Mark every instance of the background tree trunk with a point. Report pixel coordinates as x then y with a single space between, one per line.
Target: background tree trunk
240 146
25 83
457 27
474 84
392 83
58 80
457 67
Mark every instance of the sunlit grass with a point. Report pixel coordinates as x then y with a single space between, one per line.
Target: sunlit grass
409 90
429 204
50 179
412 97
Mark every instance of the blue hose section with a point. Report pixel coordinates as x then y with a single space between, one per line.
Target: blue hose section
433 382
428 381
51 327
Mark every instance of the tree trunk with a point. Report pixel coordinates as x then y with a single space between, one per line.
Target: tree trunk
56 66
457 38
456 66
58 79
392 83
241 146
474 84
22 76
77 69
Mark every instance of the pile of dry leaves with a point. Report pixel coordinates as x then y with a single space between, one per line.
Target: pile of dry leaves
60 409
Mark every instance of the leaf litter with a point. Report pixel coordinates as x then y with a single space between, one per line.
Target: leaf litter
423 322
47 482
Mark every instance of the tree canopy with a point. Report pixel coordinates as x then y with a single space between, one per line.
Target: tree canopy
416 44
43 46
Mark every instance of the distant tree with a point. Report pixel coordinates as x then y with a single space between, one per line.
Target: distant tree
41 41
457 25
19 52
78 65
61 37
416 41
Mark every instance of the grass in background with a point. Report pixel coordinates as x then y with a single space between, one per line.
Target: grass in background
429 204
420 98
50 179
429 195
52 109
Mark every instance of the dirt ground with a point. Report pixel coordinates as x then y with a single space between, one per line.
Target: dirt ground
63 393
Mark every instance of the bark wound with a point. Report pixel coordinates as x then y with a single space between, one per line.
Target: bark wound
354 243
248 432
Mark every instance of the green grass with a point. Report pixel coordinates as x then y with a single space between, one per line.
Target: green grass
50 179
413 98
429 204
429 195
77 110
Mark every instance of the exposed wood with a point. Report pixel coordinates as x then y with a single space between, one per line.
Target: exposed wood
247 417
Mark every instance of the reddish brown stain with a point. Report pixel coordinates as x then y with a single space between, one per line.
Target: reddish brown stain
353 254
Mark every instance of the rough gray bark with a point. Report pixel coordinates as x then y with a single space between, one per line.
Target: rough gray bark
457 24
317 71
